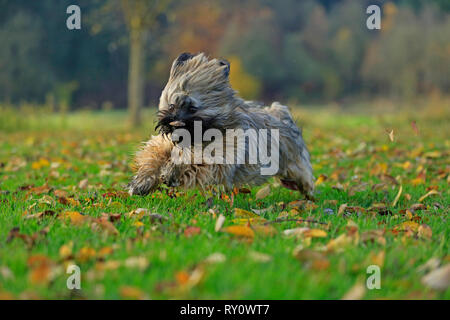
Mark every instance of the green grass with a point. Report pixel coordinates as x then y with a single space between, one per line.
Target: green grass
99 147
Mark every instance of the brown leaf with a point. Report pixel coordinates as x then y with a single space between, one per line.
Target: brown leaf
133 293
104 224
83 184
40 190
192 231
42 214
263 192
424 231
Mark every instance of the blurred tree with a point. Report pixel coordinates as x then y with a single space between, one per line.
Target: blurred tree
24 74
140 16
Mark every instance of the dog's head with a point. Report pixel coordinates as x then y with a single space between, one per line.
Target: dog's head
198 90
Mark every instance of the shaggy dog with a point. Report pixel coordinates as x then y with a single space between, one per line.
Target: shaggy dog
199 92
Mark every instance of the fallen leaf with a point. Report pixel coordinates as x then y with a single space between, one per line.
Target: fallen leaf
438 279
397 197
356 292
219 223
260 257
83 184
74 217
216 257
320 179
431 192
263 192
133 293
191 231
104 224
86 253
140 263
241 213
241 231
424 231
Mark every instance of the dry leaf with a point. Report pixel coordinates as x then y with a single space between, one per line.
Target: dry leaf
424 231
438 279
133 293
75 217
431 192
397 197
356 292
192 231
391 135
216 258
241 231
219 223
104 224
241 213
263 192
83 184
259 257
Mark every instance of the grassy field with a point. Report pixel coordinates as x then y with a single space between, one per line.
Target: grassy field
62 202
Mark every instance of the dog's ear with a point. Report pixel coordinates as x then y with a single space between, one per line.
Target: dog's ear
182 58
225 63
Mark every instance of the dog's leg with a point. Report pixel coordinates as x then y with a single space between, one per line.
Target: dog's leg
148 163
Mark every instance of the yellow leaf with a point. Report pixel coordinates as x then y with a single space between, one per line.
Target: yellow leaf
320 179
377 258
266 230
397 197
356 292
315 233
245 221
75 217
391 135
132 293
431 192
408 225
138 224
241 231
241 213
65 250
39 164
85 254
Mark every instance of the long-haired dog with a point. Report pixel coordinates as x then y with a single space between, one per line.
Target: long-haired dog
199 92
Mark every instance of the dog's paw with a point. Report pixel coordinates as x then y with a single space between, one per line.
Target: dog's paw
140 187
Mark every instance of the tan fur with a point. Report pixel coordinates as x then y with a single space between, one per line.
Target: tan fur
201 83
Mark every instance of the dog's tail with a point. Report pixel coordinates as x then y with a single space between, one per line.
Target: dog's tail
282 112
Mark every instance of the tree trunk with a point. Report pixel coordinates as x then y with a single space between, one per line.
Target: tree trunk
136 76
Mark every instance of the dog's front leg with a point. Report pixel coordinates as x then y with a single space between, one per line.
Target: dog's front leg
148 163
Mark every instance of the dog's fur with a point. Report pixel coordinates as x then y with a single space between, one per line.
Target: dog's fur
198 90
